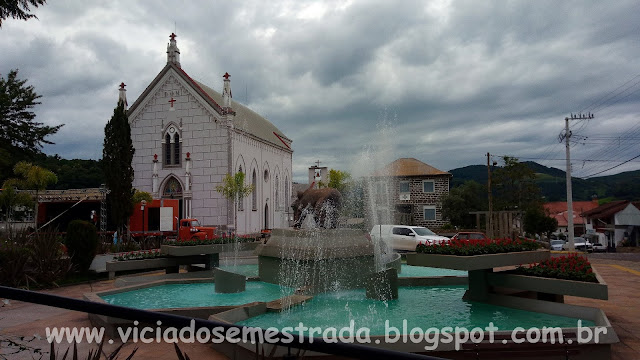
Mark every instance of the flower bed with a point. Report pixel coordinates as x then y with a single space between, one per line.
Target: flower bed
571 267
214 241
461 247
139 255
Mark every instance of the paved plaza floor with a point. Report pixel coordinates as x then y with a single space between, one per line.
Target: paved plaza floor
20 319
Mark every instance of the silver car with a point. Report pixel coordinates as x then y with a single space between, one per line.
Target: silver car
580 244
556 244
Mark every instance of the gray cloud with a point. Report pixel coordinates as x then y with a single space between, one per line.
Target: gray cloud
453 79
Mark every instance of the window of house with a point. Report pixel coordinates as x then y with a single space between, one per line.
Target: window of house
254 194
404 187
428 186
429 212
382 196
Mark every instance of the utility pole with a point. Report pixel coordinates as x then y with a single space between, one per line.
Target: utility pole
490 229
566 136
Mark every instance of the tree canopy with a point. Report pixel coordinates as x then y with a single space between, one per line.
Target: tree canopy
21 137
339 180
18 9
514 186
456 205
117 155
234 189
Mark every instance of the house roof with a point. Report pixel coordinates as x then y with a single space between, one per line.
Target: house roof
609 209
558 210
245 119
409 167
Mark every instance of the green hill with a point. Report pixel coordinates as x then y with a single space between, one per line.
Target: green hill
552 183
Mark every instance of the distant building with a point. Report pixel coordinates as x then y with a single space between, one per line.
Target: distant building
558 211
617 219
187 137
407 192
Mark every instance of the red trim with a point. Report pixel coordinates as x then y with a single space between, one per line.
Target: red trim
219 108
285 144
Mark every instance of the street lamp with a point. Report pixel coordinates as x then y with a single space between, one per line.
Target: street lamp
143 203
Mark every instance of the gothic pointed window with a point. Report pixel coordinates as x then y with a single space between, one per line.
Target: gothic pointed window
167 150
277 195
176 150
241 200
254 194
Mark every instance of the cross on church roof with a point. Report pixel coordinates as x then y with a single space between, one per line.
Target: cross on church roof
122 85
226 76
172 101
173 36
317 163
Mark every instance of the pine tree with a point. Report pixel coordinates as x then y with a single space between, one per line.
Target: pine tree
20 135
117 154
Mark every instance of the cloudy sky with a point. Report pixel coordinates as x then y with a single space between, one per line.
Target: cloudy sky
441 81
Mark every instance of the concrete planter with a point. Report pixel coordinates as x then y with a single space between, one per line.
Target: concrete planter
591 290
139 264
172 250
477 262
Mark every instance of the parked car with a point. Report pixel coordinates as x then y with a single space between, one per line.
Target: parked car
556 244
404 237
470 236
598 247
580 244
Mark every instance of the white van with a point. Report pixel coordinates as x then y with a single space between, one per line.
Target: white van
404 237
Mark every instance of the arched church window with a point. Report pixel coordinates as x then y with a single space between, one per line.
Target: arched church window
254 194
167 150
172 189
176 150
277 197
241 200
172 149
287 196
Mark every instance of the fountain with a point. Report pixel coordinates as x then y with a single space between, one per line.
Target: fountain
331 278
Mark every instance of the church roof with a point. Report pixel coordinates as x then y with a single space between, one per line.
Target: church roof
248 120
409 167
245 119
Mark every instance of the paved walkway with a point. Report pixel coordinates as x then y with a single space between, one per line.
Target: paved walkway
24 319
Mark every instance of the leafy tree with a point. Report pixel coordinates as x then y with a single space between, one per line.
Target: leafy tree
117 154
514 186
20 136
470 196
339 180
9 200
138 196
18 9
536 221
234 189
32 177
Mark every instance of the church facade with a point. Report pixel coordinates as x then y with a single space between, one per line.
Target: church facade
187 137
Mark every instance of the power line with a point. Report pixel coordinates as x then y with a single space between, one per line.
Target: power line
613 167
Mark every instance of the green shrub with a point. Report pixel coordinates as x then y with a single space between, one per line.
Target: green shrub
14 257
82 243
48 261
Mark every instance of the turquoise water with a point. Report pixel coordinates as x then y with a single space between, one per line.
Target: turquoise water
194 295
251 270
423 307
418 271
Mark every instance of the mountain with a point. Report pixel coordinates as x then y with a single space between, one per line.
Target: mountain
552 183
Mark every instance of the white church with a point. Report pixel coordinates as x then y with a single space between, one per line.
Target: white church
187 137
